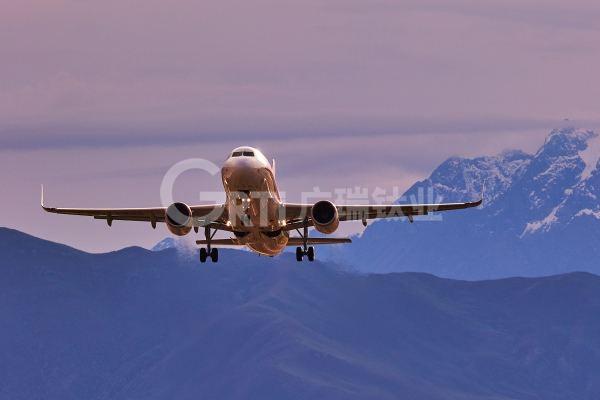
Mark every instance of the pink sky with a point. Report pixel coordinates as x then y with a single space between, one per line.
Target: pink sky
98 99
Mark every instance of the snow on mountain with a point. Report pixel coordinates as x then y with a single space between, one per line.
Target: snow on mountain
587 211
184 246
458 179
166 243
544 224
590 156
558 182
571 175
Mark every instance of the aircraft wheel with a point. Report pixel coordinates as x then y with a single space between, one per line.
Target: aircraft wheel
299 254
311 253
214 255
203 255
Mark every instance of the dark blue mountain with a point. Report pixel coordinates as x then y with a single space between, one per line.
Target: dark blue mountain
137 324
540 217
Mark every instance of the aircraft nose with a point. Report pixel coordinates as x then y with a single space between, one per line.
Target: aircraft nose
240 164
240 170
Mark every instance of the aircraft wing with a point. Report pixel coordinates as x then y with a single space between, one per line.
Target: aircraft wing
296 213
148 214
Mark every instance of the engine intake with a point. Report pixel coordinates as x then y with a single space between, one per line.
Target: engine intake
178 218
325 216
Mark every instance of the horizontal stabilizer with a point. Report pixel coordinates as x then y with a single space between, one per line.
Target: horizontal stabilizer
220 242
296 241
293 241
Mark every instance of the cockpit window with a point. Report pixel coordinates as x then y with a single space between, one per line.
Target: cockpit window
242 153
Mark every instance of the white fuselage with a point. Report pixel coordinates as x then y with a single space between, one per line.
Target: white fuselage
253 201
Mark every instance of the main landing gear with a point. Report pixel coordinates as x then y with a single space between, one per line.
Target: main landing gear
305 250
309 253
208 251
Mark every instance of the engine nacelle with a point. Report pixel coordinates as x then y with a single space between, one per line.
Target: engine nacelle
325 216
178 218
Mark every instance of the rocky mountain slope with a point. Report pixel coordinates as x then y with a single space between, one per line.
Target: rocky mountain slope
541 216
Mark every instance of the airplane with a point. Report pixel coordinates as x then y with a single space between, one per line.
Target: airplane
255 214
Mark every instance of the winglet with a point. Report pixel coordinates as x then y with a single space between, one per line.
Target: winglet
42 201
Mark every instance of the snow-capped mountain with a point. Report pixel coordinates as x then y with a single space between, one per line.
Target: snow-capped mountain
166 243
184 246
541 215
567 190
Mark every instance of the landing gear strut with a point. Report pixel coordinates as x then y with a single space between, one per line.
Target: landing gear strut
305 250
213 253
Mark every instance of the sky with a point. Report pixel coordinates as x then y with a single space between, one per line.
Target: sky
98 99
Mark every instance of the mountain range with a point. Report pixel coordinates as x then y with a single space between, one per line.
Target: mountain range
540 217
140 324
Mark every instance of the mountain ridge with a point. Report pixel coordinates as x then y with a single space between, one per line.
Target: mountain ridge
140 324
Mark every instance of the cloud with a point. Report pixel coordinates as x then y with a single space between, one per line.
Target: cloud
271 128
150 70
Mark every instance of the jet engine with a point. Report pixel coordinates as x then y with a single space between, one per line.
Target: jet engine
178 218
325 216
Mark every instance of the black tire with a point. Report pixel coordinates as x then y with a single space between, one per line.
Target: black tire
203 255
299 253
214 255
311 254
